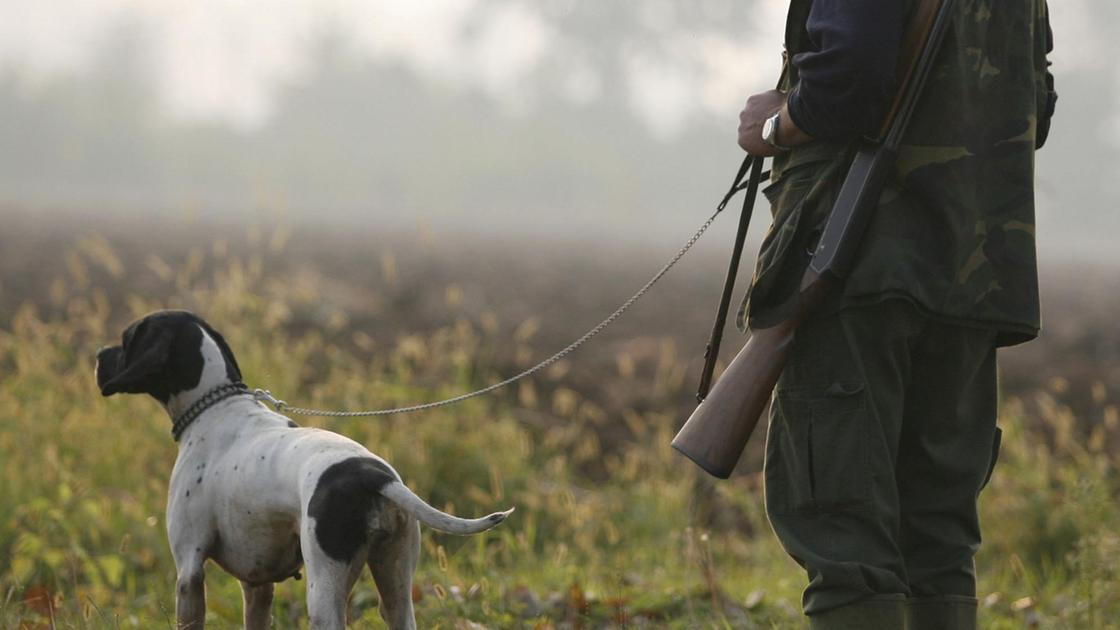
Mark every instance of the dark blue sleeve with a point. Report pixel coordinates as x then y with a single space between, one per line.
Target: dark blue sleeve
847 79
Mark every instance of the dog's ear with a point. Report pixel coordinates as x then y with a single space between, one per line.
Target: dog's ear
142 356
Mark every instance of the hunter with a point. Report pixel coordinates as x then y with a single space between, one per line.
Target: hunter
883 426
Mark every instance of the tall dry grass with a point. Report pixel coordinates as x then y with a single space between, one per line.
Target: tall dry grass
612 529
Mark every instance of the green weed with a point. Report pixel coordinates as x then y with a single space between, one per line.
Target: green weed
612 529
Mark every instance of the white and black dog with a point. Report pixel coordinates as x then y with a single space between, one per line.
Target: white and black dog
263 497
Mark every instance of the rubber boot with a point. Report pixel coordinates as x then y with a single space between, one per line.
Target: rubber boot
948 612
879 612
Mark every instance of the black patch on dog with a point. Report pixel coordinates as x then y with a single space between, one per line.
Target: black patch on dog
346 494
160 355
292 424
108 363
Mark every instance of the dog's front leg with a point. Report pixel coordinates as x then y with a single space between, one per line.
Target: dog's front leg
258 605
190 598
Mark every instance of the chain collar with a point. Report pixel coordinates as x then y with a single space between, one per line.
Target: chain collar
208 400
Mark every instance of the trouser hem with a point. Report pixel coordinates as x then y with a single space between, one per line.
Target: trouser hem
941 600
871 600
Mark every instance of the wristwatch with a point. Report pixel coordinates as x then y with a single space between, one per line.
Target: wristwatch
770 132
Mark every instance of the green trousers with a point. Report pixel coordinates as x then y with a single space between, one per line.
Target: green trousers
882 434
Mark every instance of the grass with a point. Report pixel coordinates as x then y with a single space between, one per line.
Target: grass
612 529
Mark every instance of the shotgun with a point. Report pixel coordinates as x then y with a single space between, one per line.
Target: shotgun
716 433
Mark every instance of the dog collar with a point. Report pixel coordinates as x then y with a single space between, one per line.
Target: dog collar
208 400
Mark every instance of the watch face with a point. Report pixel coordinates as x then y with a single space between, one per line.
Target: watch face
768 129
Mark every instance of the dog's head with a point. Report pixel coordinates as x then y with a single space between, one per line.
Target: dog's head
165 354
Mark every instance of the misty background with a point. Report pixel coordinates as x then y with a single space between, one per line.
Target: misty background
594 120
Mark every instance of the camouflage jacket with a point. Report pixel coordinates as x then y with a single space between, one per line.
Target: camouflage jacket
954 230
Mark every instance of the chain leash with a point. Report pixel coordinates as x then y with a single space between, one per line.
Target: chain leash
265 396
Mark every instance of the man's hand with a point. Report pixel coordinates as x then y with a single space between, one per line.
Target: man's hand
760 107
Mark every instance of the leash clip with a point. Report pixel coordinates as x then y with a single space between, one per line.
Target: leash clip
265 396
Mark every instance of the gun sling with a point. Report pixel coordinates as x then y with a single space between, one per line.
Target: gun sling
711 352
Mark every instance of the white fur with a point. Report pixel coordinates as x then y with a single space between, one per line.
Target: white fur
213 373
441 521
250 478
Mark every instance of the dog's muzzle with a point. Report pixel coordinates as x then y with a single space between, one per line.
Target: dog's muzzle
108 364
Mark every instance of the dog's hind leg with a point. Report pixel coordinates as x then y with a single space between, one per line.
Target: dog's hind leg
329 581
328 588
190 597
335 533
258 605
392 564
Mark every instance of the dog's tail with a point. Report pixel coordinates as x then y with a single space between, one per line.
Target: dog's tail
399 493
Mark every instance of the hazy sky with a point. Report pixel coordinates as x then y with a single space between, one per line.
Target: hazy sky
682 63
225 59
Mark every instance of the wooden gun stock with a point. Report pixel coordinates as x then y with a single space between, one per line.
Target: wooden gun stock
717 431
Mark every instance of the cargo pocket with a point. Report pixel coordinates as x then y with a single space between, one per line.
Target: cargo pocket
996 442
839 460
817 453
